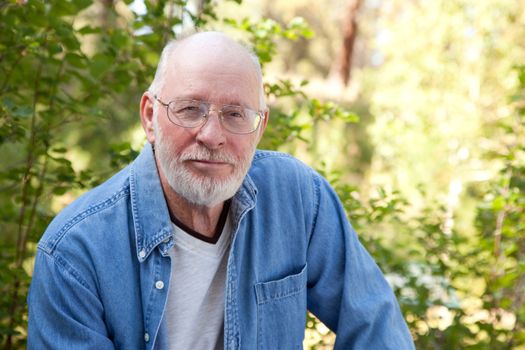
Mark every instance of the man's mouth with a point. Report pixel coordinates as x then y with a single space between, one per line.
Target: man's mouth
209 165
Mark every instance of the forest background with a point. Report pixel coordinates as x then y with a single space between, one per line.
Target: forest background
414 110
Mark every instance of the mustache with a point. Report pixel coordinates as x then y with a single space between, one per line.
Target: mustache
205 154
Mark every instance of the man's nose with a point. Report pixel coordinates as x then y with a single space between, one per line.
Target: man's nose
211 134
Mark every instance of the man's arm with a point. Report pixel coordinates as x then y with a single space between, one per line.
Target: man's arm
346 289
63 312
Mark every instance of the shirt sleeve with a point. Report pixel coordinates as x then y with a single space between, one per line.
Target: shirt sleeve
63 312
346 289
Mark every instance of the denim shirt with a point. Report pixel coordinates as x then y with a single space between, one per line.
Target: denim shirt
102 269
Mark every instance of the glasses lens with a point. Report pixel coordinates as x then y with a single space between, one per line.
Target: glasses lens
187 113
239 120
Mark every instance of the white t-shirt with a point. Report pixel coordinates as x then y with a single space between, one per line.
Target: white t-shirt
195 307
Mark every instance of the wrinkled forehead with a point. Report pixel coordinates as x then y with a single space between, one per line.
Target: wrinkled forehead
207 64
213 50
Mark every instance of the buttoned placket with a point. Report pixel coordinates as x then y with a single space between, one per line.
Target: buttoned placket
155 308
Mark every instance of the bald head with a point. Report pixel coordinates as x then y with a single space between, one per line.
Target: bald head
207 51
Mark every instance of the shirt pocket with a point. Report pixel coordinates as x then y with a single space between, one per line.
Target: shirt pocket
281 312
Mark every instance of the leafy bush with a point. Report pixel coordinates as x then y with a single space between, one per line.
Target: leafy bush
70 75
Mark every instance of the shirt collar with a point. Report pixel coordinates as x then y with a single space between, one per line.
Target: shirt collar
151 219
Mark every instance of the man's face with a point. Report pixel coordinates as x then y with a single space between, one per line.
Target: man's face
206 165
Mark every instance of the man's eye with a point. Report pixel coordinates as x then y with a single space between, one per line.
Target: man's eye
233 114
190 109
186 110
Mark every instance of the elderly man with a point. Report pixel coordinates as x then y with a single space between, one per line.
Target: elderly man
202 242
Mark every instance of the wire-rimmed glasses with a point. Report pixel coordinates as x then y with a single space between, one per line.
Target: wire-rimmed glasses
193 113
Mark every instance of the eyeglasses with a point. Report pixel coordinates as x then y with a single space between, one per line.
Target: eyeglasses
194 113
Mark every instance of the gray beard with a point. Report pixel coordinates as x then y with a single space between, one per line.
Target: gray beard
200 190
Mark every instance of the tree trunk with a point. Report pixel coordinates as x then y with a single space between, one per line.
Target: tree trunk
349 26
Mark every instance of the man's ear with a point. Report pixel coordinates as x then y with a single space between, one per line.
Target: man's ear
263 125
146 116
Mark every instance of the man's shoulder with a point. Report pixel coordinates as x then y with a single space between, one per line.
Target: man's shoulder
265 154
87 207
268 160
271 166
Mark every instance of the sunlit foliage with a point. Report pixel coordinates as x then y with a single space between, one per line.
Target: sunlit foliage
426 148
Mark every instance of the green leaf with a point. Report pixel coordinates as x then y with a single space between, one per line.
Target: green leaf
59 150
59 190
100 64
498 203
23 111
75 60
119 39
8 103
82 4
62 8
89 30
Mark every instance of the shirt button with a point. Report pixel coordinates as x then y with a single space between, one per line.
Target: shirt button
159 284
146 337
142 255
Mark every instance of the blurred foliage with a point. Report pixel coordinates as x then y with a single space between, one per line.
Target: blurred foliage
444 111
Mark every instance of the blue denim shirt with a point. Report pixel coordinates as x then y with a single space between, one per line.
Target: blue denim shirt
99 264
